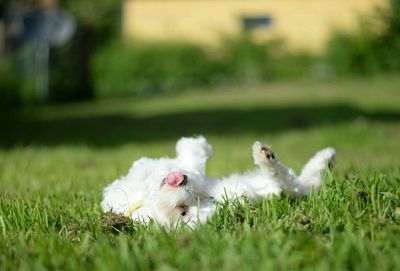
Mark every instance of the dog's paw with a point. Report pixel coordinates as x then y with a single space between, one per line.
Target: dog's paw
328 156
263 154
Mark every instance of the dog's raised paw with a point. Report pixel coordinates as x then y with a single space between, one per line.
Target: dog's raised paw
263 153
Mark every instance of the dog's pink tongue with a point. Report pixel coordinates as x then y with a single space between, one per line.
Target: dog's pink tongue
174 179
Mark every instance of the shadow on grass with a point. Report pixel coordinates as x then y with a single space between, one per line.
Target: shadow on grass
111 130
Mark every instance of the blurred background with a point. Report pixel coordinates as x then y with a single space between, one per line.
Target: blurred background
64 50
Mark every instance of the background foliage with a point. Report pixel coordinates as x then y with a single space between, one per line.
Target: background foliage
375 48
97 64
140 68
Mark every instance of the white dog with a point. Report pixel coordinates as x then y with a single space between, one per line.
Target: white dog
176 190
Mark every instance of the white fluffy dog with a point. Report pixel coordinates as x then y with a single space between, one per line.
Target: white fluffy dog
173 190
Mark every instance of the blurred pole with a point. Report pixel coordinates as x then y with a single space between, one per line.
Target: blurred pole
42 71
84 47
3 12
2 37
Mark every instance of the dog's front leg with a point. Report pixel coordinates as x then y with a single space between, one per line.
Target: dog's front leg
273 169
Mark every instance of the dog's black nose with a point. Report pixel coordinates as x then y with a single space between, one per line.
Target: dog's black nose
185 180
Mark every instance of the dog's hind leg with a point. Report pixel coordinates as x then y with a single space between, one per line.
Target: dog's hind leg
315 170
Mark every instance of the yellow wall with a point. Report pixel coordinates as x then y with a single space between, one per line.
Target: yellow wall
304 24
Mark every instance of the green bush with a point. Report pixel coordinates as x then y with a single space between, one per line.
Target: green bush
368 51
388 42
13 90
9 88
250 62
353 54
145 68
244 61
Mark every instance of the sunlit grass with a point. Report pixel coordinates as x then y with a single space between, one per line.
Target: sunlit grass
54 162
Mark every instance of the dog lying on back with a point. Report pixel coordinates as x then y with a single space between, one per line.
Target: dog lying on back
175 190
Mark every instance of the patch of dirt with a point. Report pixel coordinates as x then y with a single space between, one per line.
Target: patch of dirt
116 223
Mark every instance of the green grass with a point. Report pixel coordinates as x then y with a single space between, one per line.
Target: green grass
55 160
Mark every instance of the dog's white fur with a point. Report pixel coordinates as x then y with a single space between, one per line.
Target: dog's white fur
194 202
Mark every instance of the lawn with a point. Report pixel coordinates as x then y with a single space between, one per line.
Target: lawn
55 160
